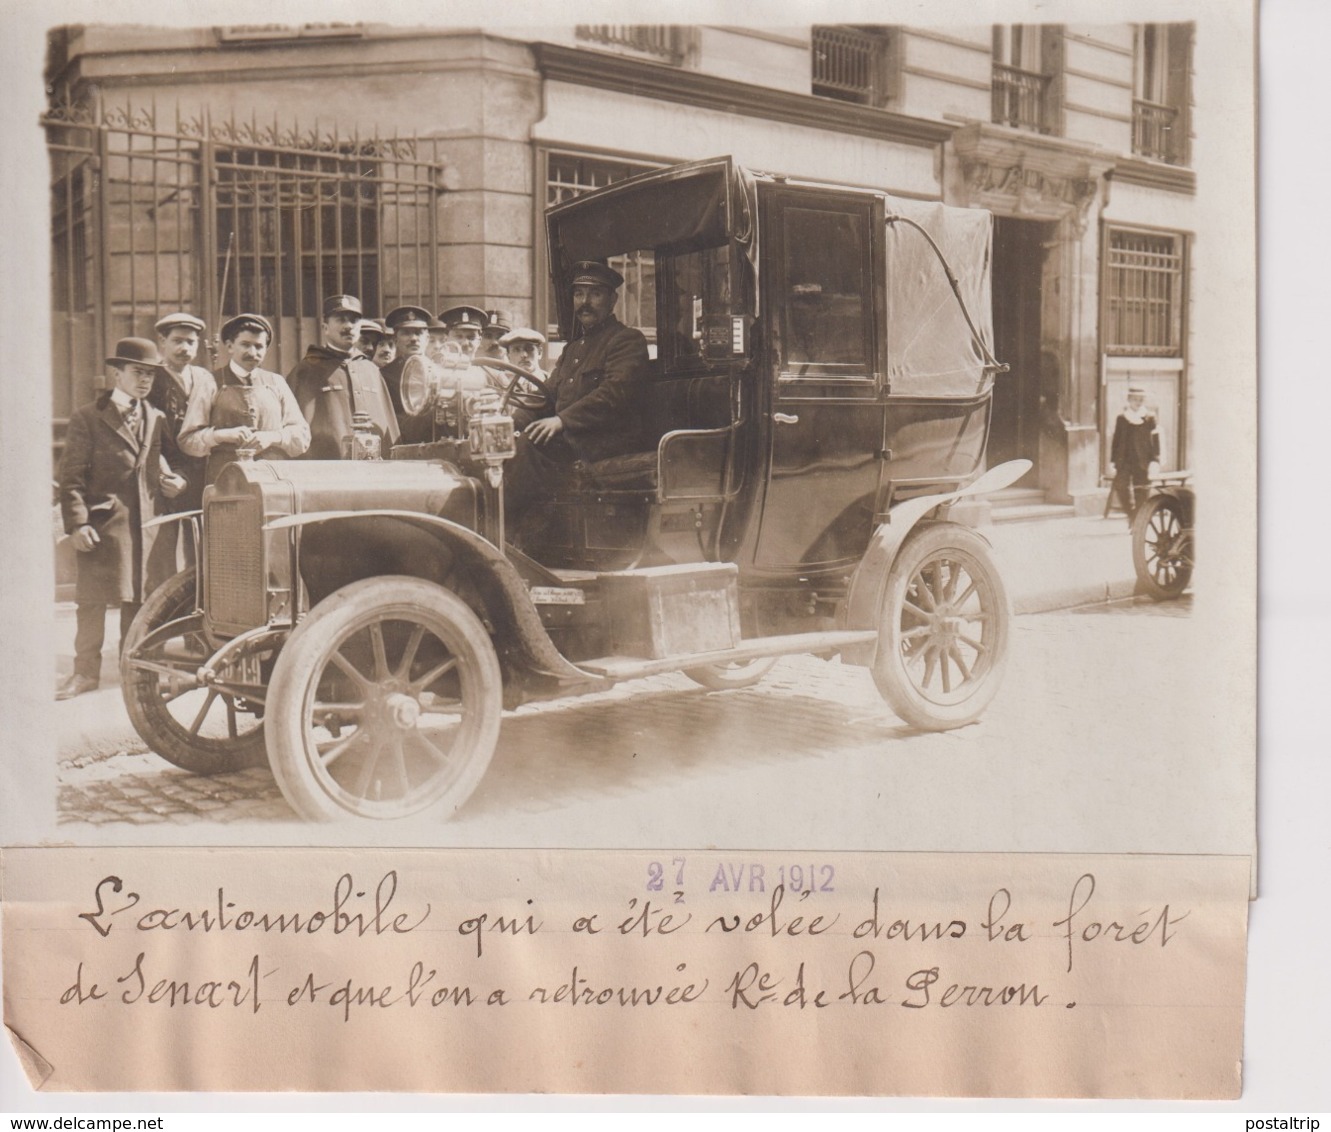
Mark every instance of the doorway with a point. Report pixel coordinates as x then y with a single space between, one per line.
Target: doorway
1019 252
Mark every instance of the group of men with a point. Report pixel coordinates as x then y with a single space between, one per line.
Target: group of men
151 443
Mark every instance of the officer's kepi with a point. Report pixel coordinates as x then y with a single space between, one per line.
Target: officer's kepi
590 271
407 318
343 304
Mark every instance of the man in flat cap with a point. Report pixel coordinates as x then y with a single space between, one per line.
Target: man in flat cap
242 406
375 341
112 479
179 336
523 347
597 384
333 381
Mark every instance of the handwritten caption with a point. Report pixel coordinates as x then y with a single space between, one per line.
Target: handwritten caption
751 937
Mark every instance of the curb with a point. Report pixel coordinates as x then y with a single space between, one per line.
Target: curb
1069 597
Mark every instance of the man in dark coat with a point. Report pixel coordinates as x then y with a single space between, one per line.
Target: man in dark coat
112 478
179 336
332 382
1135 447
598 384
411 335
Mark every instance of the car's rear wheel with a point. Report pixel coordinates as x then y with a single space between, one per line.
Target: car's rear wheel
943 637
740 674
195 726
385 702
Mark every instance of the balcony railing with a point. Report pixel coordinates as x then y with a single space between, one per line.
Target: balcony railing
1153 131
848 64
1019 98
661 40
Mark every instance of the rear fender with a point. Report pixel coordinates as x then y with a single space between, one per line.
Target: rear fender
864 600
1184 496
517 624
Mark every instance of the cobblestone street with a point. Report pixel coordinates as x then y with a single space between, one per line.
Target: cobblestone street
809 756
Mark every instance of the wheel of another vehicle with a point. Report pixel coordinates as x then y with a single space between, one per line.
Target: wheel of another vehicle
943 637
198 728
385 702
740 674
1162 548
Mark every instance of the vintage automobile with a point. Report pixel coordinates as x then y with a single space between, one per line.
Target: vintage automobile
1162 537
820 397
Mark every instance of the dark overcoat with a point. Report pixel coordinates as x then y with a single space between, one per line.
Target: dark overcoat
170 396
111 480
330 386
599 384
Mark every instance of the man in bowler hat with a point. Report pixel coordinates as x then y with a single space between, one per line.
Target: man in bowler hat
112 479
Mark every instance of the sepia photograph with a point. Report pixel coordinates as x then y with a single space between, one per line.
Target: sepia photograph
494 467
791 436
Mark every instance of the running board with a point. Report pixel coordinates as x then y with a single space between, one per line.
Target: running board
634 668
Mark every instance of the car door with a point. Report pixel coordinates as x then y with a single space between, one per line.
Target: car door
823 303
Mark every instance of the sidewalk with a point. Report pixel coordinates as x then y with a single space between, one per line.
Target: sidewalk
1053 564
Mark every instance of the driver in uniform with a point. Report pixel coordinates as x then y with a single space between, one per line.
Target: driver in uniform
598 386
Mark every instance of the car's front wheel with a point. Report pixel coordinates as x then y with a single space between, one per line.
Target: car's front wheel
384 703
943 636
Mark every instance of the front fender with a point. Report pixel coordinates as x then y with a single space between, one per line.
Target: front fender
864 601
507 601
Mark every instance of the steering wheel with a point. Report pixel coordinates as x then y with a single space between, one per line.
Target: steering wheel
519 375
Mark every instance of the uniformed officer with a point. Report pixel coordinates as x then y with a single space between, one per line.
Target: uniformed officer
411 335
333 381
436 351
497 324
462 379
597 383
464 326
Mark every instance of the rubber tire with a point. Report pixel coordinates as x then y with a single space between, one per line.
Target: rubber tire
148 712
302 660
1141 558
723 677
929 543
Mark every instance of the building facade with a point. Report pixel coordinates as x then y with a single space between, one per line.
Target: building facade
226 169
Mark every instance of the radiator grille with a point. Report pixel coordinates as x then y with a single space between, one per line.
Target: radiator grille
234 574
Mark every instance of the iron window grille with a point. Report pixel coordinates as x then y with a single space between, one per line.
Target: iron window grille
569 175
153 212
662 41
853 64
1144 278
